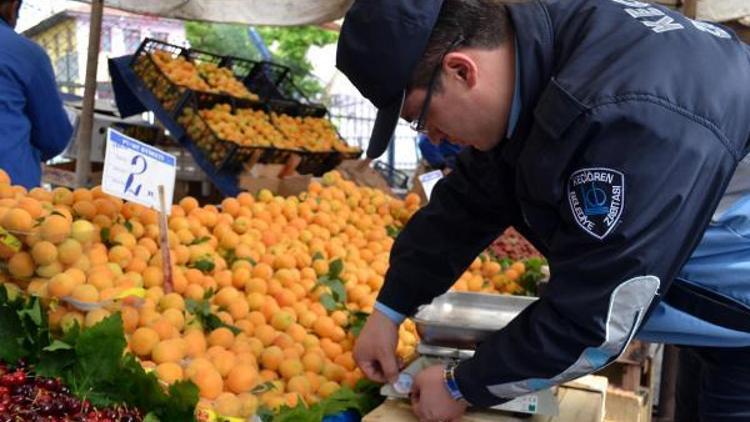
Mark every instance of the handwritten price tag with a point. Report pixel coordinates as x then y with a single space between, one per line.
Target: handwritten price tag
133 171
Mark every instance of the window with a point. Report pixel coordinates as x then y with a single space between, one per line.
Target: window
106 41
66 68
132 39
161 36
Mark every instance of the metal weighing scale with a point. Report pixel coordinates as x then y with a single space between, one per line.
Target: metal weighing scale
450 328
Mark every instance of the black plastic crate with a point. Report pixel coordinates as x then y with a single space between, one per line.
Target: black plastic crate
216 150
225 154
164 89
396 178
262 78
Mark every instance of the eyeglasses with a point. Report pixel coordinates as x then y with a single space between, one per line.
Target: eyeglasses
418 125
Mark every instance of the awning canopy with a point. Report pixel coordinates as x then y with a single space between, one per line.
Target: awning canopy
249 12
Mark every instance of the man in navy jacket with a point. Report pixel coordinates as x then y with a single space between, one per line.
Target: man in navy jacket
33 124
605 131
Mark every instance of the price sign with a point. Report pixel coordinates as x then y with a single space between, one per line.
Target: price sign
429 180
133 171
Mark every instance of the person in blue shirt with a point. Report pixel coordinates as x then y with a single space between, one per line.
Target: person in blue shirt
33 124
440 156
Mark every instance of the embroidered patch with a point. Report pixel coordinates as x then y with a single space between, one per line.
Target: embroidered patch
597 197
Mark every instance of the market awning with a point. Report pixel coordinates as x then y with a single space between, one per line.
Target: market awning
250 12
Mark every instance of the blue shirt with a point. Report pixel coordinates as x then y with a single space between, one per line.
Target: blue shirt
438 156
33 124
515 113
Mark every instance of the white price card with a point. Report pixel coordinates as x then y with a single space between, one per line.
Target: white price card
133 171
429 180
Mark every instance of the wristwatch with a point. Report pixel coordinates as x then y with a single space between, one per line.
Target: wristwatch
451 383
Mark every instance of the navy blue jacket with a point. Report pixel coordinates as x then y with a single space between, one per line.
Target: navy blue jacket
33 124
634 120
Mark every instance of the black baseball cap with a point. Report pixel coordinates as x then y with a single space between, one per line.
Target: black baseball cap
380 44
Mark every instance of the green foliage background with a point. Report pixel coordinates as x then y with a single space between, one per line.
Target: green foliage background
289 46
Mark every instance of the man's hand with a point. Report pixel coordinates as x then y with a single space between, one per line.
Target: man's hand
375 350
430 399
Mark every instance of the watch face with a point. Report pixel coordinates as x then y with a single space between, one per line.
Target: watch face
403 384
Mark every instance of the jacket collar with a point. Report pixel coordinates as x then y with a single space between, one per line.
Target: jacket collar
535 51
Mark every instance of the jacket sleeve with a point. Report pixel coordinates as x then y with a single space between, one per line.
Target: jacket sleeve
50 127
467 211
674 171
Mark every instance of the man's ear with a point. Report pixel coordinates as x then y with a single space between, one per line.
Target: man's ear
460 67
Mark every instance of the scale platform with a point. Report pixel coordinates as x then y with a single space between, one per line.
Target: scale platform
451 327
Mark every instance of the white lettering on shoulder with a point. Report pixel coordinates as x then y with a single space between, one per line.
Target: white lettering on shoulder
643 11
632 3
711 29
663 25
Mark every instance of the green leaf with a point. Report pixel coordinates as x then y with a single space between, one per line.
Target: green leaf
104 235
11 347
57 213
55 364
183 399
58 345
23 324
299 413
263 388
265 414
357 321
209 293
339 291
335 268
248 259
200 240
317 255
205 265
327 301
128 225
191 305
534 264
505 263
151 417
369 393
34 312
392 231
99 351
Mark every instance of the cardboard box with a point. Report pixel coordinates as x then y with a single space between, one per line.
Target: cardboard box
266 176
360 172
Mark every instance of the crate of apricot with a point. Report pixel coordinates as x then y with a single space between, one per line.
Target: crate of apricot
232 133
170 72
321 145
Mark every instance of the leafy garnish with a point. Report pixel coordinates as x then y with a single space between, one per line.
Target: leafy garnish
23 324
205 265
201 309
392 231
91 362
357 321
362 399
200 240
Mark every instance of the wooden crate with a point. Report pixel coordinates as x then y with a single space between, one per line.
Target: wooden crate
633 370
582 400
628 406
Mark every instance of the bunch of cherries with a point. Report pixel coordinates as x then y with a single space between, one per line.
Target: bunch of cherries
28 398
